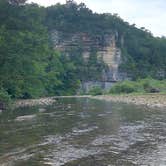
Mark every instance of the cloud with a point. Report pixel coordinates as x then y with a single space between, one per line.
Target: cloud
150 14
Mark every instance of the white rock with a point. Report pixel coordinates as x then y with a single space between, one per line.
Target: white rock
26 117
42 110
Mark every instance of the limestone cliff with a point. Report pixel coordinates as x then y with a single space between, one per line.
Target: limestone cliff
105 46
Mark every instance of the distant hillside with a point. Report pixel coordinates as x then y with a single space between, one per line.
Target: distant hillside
51 51
77 27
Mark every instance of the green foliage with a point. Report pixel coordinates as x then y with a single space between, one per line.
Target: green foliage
95 91
87 69
29 67
150 84
23 51
4 99
147 85
69 82
144 55
123 87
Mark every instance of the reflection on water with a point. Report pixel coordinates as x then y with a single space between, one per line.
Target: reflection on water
83 132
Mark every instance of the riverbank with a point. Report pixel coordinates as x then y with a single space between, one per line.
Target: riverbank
34 102
148 100
41 101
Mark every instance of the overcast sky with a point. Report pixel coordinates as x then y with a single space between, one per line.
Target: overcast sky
150 14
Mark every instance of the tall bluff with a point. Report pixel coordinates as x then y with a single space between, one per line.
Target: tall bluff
104 46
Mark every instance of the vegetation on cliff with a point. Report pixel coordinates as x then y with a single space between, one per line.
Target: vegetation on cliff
143 55
30 67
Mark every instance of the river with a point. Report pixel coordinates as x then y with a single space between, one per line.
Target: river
83 132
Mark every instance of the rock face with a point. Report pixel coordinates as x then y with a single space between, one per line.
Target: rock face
65 41
104 45
112 57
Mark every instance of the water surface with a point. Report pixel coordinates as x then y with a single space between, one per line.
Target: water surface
83 132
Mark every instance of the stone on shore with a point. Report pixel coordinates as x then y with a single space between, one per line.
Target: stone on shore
34 102
148 100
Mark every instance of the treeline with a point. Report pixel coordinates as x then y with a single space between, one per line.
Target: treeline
29 67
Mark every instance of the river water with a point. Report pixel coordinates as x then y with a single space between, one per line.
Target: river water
83 132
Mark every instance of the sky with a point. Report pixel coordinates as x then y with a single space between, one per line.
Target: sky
150 14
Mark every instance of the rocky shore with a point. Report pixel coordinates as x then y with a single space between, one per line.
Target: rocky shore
41 101
148 100
34 102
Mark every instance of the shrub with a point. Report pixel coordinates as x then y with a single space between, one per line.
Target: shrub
4 99
124 87
147 85
95 91
151 85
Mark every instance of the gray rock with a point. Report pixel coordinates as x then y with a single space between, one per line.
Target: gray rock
26 117
42 110
154 90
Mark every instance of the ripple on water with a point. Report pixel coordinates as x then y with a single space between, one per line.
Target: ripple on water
53 139
77 131
24 154
126 136
86 134
25 118
66 153
20 154
150 157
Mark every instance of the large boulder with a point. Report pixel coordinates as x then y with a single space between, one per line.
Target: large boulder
154 90
2 105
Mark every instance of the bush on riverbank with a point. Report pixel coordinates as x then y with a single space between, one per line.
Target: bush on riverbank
123 87
96 91
147 85
4 99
